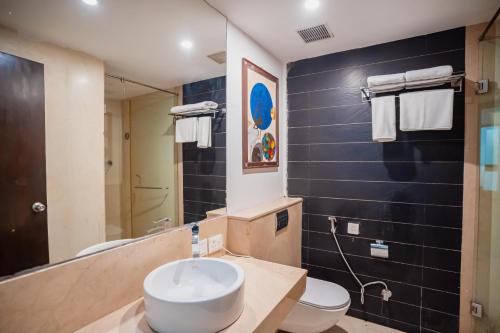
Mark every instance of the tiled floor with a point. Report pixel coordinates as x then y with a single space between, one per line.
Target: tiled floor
355 325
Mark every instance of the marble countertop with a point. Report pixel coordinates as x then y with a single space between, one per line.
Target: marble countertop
259 211
267 301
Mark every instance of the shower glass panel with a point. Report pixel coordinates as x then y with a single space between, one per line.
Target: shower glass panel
152 163
140 155
488 234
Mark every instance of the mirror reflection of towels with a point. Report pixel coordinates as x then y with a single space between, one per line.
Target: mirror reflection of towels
186 130
204 132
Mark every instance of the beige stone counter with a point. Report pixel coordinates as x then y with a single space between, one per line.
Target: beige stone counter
264 209
217 212
271 290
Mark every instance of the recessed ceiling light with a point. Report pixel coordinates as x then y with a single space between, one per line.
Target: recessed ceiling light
311 4
91 2
187 44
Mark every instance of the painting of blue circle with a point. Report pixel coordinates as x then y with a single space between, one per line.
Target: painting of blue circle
261 105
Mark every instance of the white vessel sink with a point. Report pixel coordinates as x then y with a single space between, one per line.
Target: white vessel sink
194 295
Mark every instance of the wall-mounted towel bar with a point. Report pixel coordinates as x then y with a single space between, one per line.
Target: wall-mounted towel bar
455 81
212 112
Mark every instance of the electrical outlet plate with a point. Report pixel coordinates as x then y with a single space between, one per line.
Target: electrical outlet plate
353 228
203 245
215 243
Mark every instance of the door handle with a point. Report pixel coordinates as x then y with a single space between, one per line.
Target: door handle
38 207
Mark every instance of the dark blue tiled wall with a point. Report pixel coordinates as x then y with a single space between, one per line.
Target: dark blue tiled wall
407 193
205 169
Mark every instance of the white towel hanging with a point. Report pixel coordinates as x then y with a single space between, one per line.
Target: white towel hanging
186 130
426 110
384 118
204 132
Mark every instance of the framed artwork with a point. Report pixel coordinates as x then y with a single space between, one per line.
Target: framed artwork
260 117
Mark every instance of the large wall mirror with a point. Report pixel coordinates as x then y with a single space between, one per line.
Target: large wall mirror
98 146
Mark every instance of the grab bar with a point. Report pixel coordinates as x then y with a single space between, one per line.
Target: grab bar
151 187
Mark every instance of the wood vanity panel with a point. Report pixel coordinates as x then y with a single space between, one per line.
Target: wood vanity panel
253 232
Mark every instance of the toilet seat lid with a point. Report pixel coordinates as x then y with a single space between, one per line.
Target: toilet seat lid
325 295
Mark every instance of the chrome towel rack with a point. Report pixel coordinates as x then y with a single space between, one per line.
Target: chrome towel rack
455 81
212 112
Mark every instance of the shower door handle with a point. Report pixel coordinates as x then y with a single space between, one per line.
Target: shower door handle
38 207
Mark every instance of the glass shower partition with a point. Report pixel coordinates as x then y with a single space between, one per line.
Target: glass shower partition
141 160
487 280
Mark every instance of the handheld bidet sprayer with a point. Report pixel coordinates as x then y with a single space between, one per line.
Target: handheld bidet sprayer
386 293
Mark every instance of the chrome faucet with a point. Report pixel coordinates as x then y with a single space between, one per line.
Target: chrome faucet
195 230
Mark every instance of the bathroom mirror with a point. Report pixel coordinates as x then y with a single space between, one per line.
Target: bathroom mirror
90 158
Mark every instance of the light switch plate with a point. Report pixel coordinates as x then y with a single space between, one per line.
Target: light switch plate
215 243
353 228
203 244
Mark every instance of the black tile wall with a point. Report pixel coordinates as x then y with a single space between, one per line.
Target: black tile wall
205 169
407 193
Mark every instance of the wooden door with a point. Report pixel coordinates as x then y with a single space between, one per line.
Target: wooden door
23 231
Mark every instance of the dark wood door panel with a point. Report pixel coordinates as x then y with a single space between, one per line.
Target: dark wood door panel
23 233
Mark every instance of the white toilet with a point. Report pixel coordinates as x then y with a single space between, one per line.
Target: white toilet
320 307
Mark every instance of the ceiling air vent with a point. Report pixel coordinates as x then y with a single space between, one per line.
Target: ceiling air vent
219 57
313 34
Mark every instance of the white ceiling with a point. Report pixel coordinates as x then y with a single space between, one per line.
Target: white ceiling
355 23
137 39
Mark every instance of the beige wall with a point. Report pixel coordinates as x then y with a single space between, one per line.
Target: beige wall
74 124
251 189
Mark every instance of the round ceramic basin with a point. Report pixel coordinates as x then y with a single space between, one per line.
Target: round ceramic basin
202 295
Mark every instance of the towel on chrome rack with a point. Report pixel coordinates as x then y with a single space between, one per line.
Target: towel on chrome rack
383 80
190 108
204 132
384 118
186 130
426 110
432 73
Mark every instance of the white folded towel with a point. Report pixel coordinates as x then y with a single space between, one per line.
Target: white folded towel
426 83
388 87
426 110
193 107
194 112
384 118
186 130
429 73
379 80
204 133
